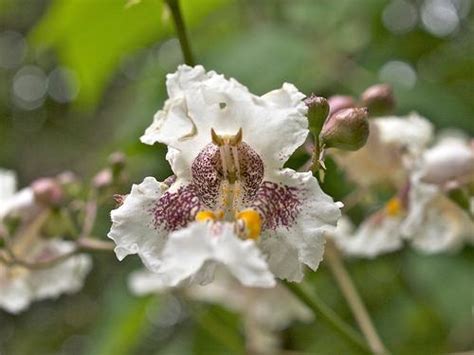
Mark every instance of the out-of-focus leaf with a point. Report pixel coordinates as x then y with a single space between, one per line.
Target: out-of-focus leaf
122 323
218 332
93 37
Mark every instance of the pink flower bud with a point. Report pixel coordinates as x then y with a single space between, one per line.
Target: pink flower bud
378 99
348 129
117 159
103 179
340 102
47 191
119 199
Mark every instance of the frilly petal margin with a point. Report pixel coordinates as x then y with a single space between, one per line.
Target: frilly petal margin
200 100
190 252
303 241
65 277
132 224
378 234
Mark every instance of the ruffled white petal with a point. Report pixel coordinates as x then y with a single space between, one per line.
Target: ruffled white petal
19 287
15 296
132 224
434 223
21 203
287 247
379 234
445 228
189 253
200 100
412 132
64 277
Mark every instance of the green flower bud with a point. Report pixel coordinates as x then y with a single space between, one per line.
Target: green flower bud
347 129
318 110
117 163
378 99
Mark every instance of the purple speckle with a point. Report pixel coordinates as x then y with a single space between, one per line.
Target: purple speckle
207 175
175 210
251 171
278 204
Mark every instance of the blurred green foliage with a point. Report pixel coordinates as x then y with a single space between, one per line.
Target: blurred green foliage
91 37
120 55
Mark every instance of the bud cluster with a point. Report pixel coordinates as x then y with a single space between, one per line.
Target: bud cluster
341 121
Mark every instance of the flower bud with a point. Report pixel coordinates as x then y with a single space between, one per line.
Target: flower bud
119 199
451 160
47 191
117 164
67 178
348 129
378 99
340 102
103 179
318 110
117 159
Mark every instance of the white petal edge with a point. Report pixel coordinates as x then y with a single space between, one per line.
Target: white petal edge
65 277
303 242
375 236
200 100
132 226
189 251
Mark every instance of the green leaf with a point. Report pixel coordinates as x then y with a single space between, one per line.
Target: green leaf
92 37
122 324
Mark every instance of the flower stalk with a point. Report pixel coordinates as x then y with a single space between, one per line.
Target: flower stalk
353 299
181 31
320 309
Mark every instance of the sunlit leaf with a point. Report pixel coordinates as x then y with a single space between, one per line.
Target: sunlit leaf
93 37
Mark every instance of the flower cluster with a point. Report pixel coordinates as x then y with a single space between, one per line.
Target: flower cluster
25 275
431 209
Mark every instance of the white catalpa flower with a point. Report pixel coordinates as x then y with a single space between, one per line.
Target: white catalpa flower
20 285
425 216
264 311
376 235
231 202
393 145
434 222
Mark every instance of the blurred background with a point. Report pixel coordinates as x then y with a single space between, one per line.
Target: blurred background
80 79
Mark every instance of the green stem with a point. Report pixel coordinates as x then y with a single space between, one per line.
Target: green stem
181 31
351 295
325 313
